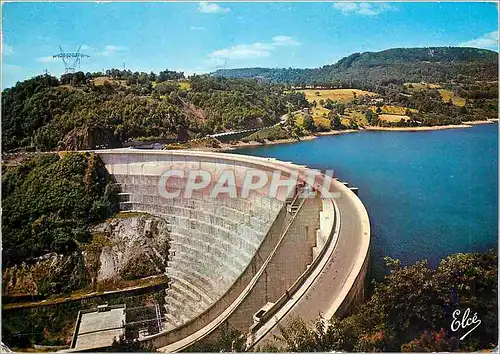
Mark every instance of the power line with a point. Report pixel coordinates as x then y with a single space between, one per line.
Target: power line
71 60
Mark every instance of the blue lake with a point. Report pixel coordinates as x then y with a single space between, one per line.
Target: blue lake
428 194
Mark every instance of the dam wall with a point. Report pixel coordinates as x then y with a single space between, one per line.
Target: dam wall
212 241
233 258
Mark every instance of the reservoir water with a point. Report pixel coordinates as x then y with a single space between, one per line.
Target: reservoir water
428 194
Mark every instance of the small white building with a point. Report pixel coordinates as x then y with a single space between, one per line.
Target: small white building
98 328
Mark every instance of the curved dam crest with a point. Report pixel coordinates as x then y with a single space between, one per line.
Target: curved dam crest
250 262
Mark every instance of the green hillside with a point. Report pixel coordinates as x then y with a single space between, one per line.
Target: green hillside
87 111
433 64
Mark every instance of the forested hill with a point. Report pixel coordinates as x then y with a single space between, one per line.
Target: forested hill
119 107
92 110
399 65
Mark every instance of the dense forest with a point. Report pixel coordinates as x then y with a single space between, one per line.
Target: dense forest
49 204
393 66
86 111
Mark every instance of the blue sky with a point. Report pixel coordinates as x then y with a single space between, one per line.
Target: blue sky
199 37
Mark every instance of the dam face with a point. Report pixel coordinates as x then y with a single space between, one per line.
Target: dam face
239 255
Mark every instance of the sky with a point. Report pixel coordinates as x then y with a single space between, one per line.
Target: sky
201 37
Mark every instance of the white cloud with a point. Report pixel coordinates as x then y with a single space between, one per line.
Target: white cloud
47 59
211 8
197 28
244 51
284 41
7 49
85 48
362 8
254 50
110 50
487 40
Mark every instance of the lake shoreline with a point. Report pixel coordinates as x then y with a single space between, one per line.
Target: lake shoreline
467 124
417 129
240 144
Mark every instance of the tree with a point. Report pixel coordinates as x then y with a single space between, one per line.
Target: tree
324 335
329 104
229 340
369 116
165 88
308 123
49 204
78 78
435 341
335 122
339 108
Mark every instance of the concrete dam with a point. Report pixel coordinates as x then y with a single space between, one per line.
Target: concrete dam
253 255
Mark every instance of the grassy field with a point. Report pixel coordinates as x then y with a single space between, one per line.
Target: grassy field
99 81
319 112
322 122
355 115
183 85
340 95
388 109
447 94
393 117
299 118
318 119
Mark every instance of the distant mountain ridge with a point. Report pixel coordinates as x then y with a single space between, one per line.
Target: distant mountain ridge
432 64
